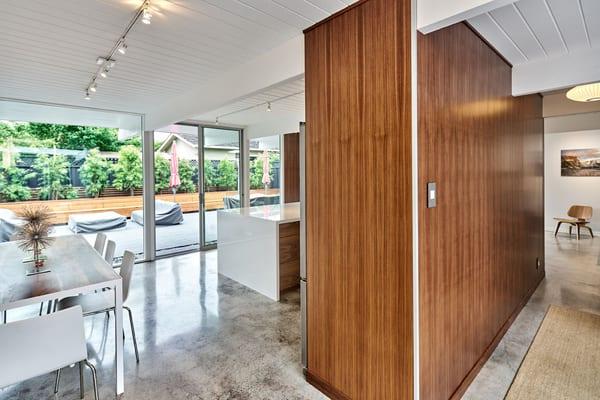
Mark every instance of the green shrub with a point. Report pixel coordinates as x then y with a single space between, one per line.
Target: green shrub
94 173
227 176
13 184
128 170
186 174
162 173
53 175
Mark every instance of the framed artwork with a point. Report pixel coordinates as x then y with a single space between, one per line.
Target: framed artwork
580 162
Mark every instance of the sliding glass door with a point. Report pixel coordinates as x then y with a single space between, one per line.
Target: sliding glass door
220 156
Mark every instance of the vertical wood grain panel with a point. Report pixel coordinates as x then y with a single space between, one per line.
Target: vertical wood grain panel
478 247
291 167
358 202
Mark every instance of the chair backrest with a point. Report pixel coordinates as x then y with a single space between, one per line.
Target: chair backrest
100 242
580 212
109 253
126 271
40 345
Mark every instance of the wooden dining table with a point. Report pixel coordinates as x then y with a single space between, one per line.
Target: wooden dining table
75 268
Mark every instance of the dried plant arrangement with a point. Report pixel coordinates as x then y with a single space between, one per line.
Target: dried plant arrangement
34 235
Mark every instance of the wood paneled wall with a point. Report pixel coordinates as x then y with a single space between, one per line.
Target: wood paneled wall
359 241
291 167
478 248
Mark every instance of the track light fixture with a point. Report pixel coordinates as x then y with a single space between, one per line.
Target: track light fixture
123 47
106 63
217 121
269 107
147 14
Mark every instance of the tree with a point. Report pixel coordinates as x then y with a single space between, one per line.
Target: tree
53 174
227 176
94 173
186 175
13 183
76 137
128 170
162 173
210 175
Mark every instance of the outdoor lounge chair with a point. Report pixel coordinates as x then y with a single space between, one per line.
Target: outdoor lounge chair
96 222
166 213
9 223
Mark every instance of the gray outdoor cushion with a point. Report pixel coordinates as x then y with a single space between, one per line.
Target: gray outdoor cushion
255 200
9 223
166 212
96 222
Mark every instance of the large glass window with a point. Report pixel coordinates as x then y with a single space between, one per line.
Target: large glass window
176 189
265 170
89 177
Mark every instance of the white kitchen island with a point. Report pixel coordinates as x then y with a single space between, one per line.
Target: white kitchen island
259 247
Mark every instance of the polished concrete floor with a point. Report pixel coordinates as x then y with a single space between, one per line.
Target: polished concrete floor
200 335
572 280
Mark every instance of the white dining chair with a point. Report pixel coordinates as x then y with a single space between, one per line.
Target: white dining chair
100 242
41 345
104 301
109 253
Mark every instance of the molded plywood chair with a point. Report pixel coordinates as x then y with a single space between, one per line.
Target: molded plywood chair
45 344
580 217
104 301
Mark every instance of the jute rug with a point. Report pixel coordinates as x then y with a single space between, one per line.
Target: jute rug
563 361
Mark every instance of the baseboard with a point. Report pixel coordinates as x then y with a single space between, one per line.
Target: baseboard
464 385
324 386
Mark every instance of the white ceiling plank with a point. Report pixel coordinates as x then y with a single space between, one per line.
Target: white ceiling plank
539 19
494 34
304 8
591 12
280 12
517 29
568 18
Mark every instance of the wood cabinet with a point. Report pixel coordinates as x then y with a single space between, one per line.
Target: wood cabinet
358 202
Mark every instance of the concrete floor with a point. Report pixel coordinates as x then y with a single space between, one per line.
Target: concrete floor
572 280
203 336
200 336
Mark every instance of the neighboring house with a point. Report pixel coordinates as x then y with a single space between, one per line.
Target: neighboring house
187 148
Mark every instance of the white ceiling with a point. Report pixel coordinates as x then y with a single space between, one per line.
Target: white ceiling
49 48
287 97
531 30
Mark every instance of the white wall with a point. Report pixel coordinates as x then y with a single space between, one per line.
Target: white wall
561 191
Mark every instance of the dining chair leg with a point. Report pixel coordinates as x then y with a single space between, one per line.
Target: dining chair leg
137 355
57 381
591 232
578 231
557 228
41 309
49 307
4 316
94 378
570 230
81 381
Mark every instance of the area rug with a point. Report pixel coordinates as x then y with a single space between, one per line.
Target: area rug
563 362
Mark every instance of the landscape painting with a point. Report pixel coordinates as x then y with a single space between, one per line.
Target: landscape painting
580 162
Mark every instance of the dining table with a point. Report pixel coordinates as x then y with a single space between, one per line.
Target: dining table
74 268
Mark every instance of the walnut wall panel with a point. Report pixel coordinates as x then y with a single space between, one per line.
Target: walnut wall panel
291 167
358 202
478 248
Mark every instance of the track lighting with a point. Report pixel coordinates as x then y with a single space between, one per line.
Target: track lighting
122 48
269 107
92 88
87 95
147 16
104 72
217 121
